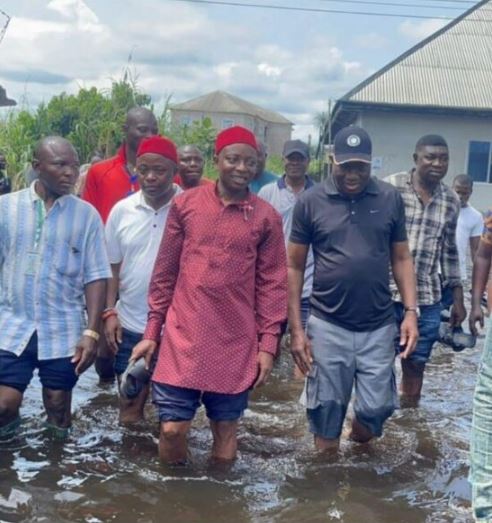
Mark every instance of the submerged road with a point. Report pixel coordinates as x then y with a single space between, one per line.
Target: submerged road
417 472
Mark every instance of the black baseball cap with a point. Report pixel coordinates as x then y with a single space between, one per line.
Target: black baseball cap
352 144
295 146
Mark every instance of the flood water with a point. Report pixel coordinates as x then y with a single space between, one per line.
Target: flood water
417 472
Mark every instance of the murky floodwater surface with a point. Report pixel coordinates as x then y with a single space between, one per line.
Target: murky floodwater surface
417 472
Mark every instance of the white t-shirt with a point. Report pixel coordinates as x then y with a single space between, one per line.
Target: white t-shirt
133 235
470 225
283 199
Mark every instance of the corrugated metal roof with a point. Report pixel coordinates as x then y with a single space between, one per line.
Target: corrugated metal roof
451 68
222 102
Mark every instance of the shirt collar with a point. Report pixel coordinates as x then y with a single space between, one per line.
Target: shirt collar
121 154
140 200
283 185
246 203
60 201
437 191
332 190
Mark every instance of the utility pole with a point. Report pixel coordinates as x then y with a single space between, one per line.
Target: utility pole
4 28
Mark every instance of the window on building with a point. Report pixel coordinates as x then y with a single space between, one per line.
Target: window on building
479 162
227 122
185 120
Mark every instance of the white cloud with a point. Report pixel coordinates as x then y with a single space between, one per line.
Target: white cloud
176 49
417 31
269 70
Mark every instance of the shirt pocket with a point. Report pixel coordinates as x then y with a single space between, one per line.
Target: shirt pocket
69 261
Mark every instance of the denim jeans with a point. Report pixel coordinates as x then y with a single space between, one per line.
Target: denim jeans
481 437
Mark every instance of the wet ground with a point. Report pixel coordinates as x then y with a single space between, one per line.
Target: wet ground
417 472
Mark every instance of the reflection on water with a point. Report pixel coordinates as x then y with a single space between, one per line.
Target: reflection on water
415 473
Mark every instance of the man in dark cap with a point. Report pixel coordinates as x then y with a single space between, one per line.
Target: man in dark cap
356 227
283 194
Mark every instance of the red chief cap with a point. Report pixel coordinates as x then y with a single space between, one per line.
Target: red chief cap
236 134
158 145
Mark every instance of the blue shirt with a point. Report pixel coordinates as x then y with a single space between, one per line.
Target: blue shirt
283 199
265 178
46 259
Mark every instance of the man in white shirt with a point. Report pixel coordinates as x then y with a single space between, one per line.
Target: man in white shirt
470 223
282 195
133 234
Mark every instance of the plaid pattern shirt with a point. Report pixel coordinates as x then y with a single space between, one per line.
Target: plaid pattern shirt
431 231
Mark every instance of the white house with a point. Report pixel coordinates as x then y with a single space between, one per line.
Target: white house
443 85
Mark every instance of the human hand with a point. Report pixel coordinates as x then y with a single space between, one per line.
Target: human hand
113 332
85 354
476 315
144 349
409 334
300 348
458 314
265 366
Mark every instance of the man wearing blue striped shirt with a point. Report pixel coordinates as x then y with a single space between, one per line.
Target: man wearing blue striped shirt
53 263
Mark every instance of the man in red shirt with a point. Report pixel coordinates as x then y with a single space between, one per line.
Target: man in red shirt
110 181
113 179
220 286
190 168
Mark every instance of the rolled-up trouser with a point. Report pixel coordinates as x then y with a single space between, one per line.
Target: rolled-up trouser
481 437
343 358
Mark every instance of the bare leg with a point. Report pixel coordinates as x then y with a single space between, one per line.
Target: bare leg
10 402
132 411
225 440
326 445
173 448
359 432
412 381
57 404
104 363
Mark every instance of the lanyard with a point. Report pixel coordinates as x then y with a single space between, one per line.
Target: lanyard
40 217
133 181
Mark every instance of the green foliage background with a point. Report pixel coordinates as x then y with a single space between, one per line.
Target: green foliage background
92 120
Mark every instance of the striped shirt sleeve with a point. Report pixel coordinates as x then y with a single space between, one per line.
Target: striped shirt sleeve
96 264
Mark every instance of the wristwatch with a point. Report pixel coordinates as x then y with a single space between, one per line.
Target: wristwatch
413 309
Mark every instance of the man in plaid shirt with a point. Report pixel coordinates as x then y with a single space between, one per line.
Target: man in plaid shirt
432 211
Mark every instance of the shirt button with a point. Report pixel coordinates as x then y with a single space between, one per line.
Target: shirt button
353 212
154 225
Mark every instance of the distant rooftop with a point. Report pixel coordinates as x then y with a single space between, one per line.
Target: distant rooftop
222 102
452 68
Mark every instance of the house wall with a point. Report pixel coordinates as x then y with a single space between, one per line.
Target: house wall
273 134
394 135
277 135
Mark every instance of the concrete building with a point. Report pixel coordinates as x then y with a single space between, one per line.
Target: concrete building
226 110
440 86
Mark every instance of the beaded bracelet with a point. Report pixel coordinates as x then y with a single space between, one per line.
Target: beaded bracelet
107 313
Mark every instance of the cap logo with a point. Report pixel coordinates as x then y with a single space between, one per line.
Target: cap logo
353 140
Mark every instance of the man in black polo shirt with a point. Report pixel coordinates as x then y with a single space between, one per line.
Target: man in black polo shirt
356 227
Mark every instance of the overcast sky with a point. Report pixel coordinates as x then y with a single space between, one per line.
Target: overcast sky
287 61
